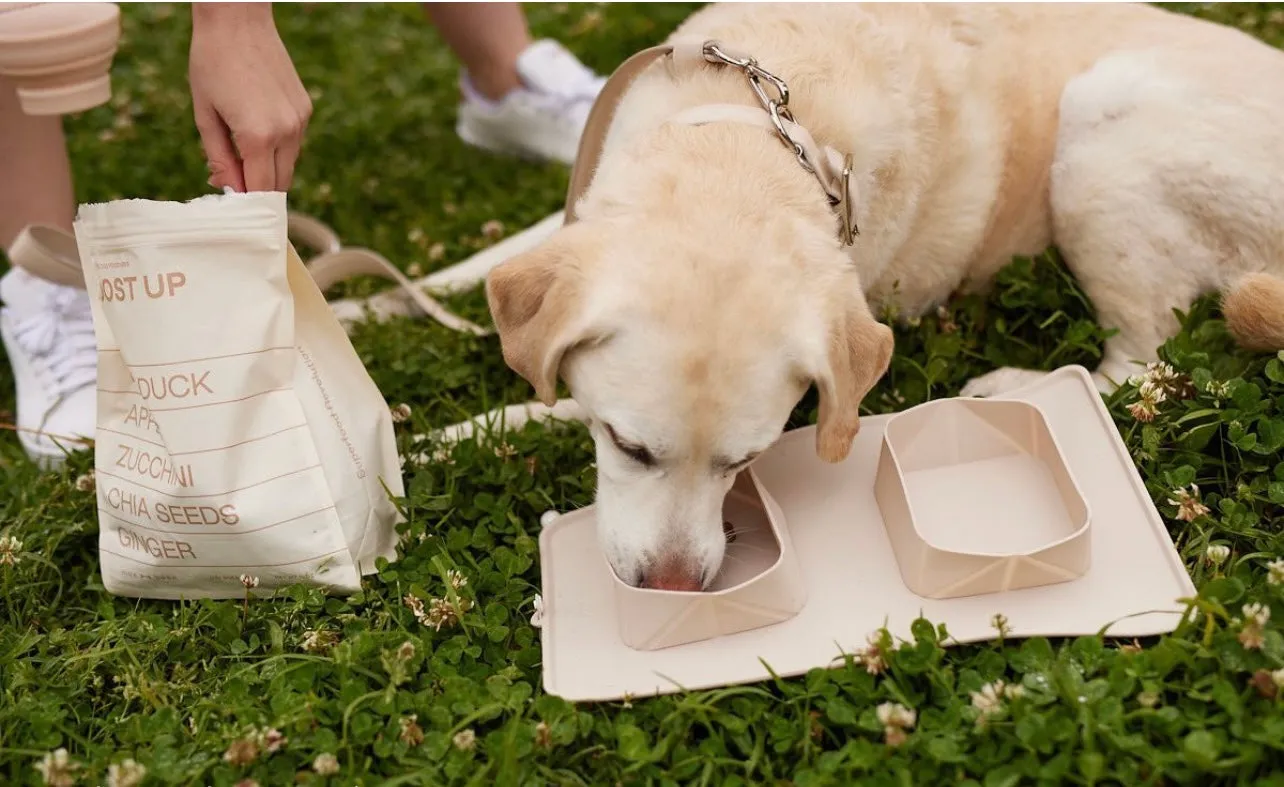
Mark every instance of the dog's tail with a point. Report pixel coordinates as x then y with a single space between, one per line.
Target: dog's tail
1254 310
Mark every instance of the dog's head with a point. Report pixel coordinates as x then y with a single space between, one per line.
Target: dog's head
689 357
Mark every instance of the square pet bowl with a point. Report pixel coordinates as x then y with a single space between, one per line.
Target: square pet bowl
760 582
977 498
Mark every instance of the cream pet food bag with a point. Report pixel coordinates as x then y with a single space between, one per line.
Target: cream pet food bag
240 440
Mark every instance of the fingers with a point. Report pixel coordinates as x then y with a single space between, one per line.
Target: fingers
258 152
287 152
285 158
220 153
268 153
246 147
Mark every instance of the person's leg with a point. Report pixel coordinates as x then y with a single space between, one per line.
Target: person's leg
488 38
35 176
529 98
47 328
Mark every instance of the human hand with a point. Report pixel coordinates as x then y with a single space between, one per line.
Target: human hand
251 108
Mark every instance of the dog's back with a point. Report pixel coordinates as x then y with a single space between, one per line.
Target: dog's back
980 132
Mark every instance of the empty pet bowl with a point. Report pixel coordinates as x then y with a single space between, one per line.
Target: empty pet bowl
759 583
976 498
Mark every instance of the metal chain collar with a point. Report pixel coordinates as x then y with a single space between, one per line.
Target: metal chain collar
760 80
777 107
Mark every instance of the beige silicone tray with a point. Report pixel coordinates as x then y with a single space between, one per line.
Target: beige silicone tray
853 581
944 459
759 583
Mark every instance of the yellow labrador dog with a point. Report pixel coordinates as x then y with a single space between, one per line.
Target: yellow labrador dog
781 172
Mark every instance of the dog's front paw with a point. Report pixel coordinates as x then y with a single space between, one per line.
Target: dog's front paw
1000 381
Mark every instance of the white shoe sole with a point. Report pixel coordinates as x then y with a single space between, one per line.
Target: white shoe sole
477 136
45 455
42 457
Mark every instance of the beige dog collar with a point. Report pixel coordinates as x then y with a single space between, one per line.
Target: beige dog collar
830 168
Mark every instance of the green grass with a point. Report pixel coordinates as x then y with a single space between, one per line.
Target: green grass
174 686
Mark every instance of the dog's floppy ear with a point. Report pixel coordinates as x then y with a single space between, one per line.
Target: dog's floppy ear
858 351
537 302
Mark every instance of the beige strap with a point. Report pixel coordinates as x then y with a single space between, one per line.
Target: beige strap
337 263
51 254
311 233
331 268
599 120
48 253
687 52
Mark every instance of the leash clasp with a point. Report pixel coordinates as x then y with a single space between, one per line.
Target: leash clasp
849 229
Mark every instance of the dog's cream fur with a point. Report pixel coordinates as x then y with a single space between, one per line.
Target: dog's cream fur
704 288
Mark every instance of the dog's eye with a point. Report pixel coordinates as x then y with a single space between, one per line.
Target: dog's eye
738 466
637 453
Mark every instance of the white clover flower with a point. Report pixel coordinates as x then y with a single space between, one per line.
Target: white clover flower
1150 395
125 774
1217 553
58 769
894 714
272 740
416 605
1189 506
871 657
465 740
325 765
896 719
989 700
411 733
1275 572
537 616
319 640
1257 614
1251 637
10 546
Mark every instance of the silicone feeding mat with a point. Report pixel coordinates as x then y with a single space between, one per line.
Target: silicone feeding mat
1034 511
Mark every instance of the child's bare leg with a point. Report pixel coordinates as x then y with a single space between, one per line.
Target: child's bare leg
487 38
35 174
47 328
520 96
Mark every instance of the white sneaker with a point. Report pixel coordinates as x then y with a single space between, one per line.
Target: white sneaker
48 333
543 118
